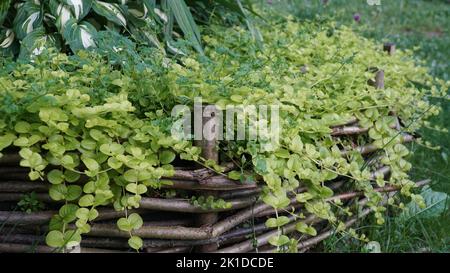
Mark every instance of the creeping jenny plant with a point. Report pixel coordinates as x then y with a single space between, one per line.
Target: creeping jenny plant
105 129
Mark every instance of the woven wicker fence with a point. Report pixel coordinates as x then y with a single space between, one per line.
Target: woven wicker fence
177 225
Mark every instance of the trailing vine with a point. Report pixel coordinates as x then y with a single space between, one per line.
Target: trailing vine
104 130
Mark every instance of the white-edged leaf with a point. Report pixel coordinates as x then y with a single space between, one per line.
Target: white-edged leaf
79 8
138 10
28 18
162 15
80 35
63 15
6 38
111 11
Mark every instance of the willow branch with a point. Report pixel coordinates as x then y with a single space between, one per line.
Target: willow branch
216 183
353 130
14 197
392 188
352 120
42 217
263 239
22 248
180 249
383 172
199 174
369 148
185 206
240 193
23 186
348 130
10 159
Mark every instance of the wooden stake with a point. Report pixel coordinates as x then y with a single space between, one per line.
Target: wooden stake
208 144
389 48
379 79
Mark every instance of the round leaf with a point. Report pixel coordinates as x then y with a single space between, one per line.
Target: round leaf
111 149
73 192
58 192
68 212
55 177
135 220
166 156
86 200
55 238
135 242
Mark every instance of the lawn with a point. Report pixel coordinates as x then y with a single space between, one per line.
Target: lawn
422 26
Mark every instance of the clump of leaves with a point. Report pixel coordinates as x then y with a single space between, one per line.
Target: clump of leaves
30 203
72 123
209 202
29 26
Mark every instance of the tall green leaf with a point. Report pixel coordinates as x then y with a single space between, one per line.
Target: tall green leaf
186 22
4 7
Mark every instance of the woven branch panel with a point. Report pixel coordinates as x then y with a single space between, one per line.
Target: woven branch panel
179 225
176 224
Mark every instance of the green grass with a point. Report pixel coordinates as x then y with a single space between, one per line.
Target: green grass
398 235
410 24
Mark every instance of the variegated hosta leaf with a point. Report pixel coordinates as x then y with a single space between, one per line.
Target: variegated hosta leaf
111 11
29 17
63 15
138 10
53 7
79 35
35 43
146 35
79 8
161 14
6 38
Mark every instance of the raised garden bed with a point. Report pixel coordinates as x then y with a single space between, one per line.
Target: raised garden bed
113 179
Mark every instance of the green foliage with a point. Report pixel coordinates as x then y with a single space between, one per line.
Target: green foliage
423 27
397 234
209 202
30 203
29 26
437 203
68 123
111 124
58 239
